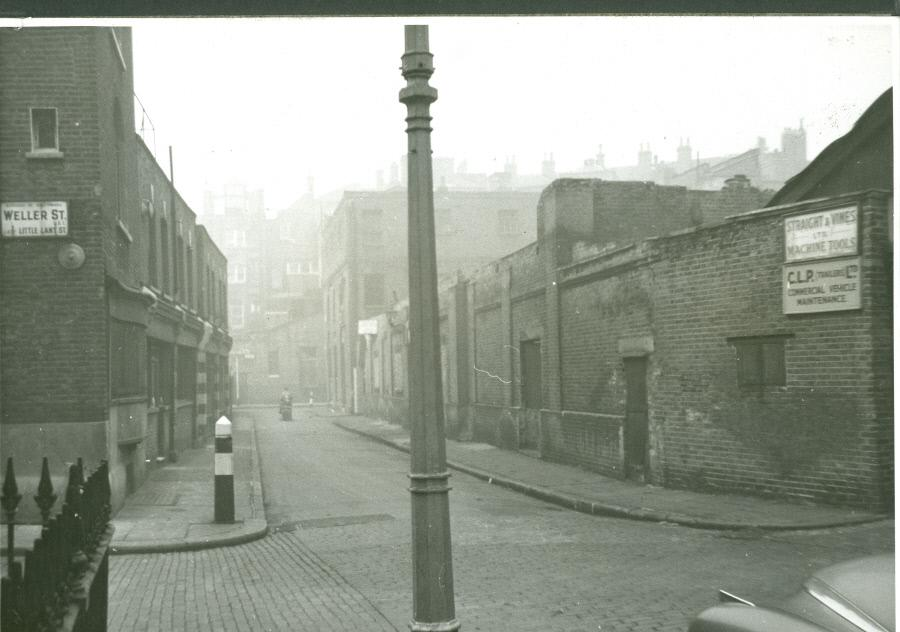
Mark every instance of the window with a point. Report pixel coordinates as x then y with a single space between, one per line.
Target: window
119 130
236 315
237 238
508 221
293 268
760 361
190 275
273 363
126 341
373 289
164 254
154 269
44 130
237 273
187 372
371 227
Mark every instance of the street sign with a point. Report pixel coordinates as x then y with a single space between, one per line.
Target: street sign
367 327
34 219
822 286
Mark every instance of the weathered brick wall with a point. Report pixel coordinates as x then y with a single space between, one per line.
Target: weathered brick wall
813 438
826 435
118 155
527 324
594 317
489 367
53 319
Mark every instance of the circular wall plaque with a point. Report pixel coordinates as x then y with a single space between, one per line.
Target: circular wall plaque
71 256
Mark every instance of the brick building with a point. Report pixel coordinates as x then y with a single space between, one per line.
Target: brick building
274 295
364 254
113 329
690 339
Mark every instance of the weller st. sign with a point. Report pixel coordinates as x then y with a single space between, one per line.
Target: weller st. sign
34 219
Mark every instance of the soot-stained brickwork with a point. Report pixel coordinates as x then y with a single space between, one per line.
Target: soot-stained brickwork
669 352
100 351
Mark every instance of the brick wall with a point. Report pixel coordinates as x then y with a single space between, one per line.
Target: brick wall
681 300
53 334
814 437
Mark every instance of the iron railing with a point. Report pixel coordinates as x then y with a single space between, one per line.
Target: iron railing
61 584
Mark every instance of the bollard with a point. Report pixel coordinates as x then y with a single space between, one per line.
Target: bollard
224 491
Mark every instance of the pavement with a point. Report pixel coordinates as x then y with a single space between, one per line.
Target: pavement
174 509
588 492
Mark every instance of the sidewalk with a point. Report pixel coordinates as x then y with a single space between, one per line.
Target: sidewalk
593 493
173 509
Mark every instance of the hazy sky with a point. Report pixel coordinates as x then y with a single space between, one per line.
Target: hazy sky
273 101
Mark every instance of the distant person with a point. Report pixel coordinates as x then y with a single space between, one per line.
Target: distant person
285 404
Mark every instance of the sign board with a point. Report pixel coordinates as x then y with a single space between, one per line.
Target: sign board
820 235
368 327
822 286
34 219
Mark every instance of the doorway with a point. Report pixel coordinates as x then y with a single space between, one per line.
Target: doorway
637 431
529 430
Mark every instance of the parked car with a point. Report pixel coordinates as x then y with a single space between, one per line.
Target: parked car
847 597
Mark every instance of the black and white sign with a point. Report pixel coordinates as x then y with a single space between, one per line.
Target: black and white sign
34 219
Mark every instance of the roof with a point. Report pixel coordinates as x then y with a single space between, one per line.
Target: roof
839 153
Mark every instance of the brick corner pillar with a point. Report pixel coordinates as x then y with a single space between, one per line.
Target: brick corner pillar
224 468
433 601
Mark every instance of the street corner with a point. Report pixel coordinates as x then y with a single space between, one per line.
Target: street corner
150 538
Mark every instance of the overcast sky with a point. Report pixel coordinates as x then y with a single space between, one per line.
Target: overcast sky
273 101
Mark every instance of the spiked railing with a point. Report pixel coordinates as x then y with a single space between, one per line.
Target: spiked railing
57 586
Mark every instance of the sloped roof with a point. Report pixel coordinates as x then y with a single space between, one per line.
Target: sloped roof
872 122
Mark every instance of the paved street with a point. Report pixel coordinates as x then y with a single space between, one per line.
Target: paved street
338 555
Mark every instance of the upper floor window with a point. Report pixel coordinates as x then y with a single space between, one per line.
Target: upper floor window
237 238
508 221
373 290
371 227
237 274
44 130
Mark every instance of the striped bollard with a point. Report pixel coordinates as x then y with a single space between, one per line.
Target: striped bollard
224 492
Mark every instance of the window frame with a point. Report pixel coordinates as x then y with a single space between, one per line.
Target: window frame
35 149
755 368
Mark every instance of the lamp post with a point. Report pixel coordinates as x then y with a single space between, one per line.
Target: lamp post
433 607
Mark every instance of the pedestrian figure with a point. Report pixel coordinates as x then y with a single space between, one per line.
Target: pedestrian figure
285 405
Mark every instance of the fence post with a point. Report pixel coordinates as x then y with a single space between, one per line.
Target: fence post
10 500
224 471
45 496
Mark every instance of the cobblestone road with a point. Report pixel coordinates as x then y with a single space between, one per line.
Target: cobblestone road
339 555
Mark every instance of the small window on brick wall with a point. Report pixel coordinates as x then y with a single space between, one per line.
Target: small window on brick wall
44 129
760 361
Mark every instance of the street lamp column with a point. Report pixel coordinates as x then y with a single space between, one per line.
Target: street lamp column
433 607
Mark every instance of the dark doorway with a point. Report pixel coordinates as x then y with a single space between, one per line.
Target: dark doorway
529 431
636 420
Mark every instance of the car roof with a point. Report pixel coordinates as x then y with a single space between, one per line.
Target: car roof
865 585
